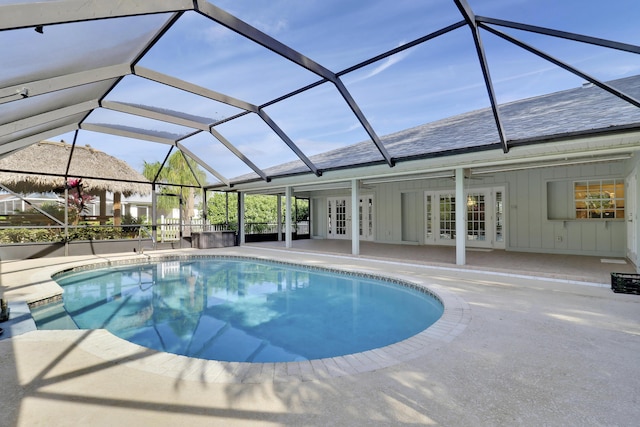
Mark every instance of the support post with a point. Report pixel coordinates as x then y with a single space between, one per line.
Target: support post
154 213
66 221
279 215
295 215
180 218
287 218
226 210
205 211
241 240
461 216
355 217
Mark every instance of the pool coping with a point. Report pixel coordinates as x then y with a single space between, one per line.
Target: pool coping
104 345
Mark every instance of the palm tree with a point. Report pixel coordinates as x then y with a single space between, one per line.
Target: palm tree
175 173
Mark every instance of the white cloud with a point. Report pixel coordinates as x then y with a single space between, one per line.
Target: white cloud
274 27
387 63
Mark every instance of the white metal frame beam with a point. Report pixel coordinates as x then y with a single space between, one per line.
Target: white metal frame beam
561 34
182 121
67 81
628 98
126 133
35 14
130 133
470 17
202 163
217 135
216 96
50 116
153 114
265 117
234 24
19 144
193 88
363 121
25 15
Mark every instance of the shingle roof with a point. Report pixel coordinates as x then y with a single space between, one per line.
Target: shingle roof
587 108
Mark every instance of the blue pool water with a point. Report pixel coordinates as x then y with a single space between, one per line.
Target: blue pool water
245 310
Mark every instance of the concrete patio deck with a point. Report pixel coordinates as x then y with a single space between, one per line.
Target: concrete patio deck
516 350
573 268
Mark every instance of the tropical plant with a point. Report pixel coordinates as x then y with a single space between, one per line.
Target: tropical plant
77 200
176 173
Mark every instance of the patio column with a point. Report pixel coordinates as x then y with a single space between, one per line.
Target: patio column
279 215
154 214
205 211
355 217
461 214
180 218
241 219
66 220
226 210
287 218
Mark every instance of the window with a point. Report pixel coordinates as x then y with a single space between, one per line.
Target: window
599 199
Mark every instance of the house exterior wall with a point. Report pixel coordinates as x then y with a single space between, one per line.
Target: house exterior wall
541 212
539 209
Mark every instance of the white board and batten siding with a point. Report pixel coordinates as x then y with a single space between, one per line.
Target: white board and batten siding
538 203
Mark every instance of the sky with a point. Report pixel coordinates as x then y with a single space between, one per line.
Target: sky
437 79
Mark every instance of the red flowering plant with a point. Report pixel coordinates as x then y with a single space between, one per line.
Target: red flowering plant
76 200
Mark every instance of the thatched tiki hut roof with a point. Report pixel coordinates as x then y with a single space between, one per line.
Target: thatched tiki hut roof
19 171
41 168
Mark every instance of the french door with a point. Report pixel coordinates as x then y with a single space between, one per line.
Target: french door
339 218
366 218
484 217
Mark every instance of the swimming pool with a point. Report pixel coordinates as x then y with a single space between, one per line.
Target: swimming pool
241 310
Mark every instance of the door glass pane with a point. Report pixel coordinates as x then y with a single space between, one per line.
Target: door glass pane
341 217
329 218
360 219
499 209
447 217
370 216
428 226
476 217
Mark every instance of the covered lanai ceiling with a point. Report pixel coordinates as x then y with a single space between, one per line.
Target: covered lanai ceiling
243 86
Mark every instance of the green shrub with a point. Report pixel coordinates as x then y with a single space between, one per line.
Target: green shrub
28 235
36 235
95 233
